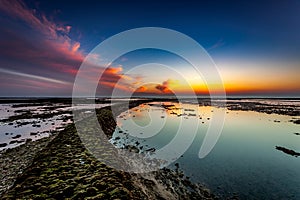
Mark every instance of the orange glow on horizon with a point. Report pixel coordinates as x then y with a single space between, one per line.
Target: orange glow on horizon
230 88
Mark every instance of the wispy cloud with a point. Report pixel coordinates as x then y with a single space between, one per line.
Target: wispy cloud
42 44
43 50
218 44
33 76
18 10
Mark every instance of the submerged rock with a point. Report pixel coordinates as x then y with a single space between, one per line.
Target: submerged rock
288 151
151 150
15 137
132 148
296 121
28 140
3 144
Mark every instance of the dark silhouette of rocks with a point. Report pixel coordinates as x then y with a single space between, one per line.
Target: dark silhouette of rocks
3 145
15 137
288 151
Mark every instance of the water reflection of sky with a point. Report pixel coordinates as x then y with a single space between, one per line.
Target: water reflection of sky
35 128
244 159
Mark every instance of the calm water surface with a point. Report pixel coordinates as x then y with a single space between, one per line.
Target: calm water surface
45 127
244 161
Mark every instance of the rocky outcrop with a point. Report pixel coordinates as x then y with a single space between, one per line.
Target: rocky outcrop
66 169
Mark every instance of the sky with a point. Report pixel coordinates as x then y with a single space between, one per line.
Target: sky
255 46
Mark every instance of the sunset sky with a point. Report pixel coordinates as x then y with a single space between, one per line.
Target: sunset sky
254 44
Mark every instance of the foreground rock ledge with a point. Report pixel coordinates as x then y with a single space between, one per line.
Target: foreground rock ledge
64 169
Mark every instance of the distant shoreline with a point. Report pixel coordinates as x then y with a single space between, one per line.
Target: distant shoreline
4 100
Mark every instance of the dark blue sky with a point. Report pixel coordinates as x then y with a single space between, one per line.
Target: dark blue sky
271 27
243 37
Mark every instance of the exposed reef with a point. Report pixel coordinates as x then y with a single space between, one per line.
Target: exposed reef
288 151
64 168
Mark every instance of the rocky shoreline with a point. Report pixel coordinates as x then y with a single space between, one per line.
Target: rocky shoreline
63 168
60 167
15 160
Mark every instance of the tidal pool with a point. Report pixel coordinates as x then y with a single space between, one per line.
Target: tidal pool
243 163
16 132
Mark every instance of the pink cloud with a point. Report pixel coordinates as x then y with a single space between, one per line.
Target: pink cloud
44 47
10 84
18 10
75 47
51 42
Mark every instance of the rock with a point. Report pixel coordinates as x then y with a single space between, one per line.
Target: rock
3 144
68 191
120 192
190 110
15 137
91 191
297 133
132 148
28 140
297 121
80 195
100 185
151 150
288 151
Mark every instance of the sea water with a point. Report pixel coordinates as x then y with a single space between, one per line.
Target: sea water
244 161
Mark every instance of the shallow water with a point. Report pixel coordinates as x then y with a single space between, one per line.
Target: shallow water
244 161
35 128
